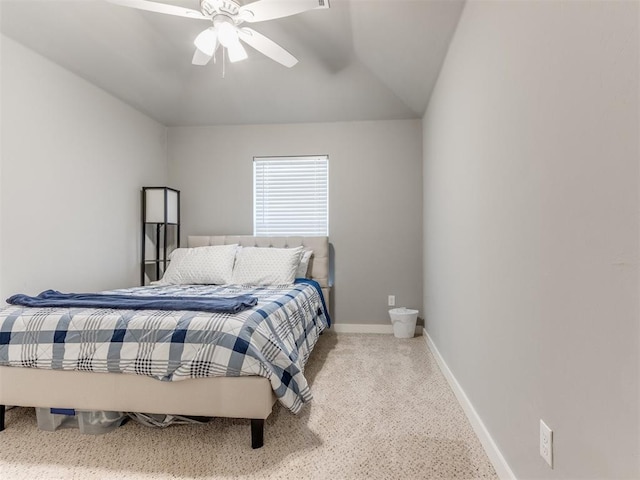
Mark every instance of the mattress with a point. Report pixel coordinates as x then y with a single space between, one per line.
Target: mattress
273 339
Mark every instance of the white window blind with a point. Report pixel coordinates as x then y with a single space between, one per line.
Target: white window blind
291 196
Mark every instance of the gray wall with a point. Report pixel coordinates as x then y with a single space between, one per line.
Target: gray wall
375 199
73 161
531 229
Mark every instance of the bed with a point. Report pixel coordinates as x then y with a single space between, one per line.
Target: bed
246 396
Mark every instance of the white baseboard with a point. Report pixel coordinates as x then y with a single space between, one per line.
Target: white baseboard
367 328
493 452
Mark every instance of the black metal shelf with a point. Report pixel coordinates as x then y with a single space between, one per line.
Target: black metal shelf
162 204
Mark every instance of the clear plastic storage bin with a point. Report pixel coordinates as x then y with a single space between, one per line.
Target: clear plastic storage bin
89 422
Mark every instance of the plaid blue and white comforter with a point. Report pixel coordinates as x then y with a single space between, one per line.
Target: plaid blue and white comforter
272 340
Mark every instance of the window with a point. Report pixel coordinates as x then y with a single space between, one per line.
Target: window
291 196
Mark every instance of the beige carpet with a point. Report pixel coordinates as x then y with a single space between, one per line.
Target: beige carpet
382 410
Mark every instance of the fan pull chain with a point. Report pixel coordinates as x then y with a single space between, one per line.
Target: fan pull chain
223 61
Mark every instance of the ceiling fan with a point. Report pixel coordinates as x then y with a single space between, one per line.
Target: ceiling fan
226 17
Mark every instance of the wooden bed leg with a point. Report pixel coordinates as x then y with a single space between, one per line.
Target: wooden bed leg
2 411
257 432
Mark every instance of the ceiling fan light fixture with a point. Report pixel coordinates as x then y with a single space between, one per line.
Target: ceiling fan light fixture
207 41
237 53
227 33
227 16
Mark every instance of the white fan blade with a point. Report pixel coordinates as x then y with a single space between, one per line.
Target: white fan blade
269 9
200 58
267 47
160 8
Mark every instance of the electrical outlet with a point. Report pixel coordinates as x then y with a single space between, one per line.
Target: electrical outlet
392 301
546 443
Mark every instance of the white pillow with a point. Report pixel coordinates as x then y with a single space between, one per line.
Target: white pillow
201 265
266 266
303 267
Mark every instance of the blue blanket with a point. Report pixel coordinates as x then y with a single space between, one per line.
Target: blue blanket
52 298
318 288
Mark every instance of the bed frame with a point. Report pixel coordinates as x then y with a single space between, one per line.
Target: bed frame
248 397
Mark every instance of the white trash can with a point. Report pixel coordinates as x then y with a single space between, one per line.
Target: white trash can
404 322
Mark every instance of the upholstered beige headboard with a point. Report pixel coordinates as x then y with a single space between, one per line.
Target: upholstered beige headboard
319 263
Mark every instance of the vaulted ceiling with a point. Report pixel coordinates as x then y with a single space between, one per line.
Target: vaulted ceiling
358 60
